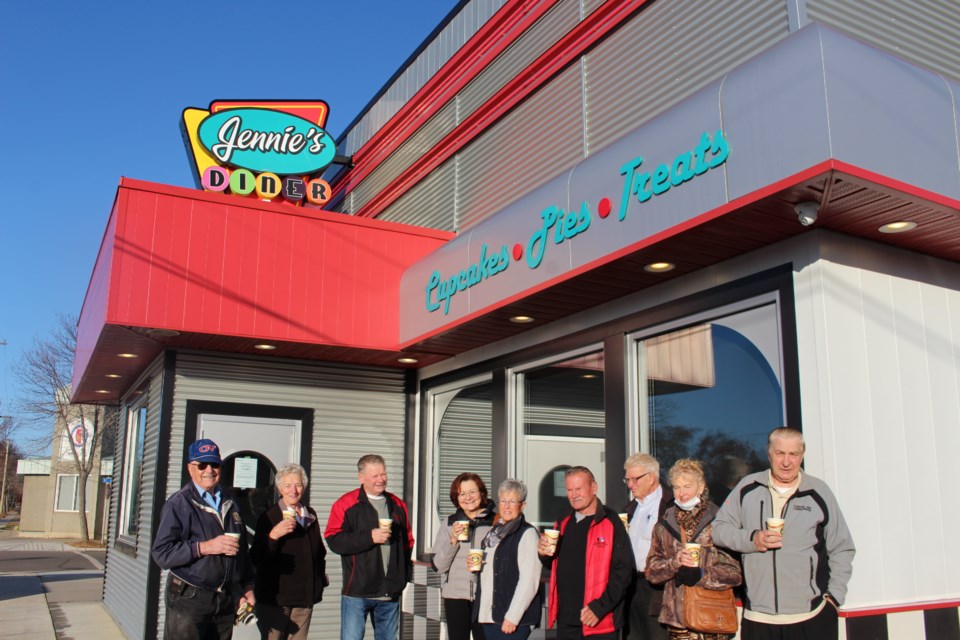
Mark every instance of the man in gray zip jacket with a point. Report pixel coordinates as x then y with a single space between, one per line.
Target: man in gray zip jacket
795 580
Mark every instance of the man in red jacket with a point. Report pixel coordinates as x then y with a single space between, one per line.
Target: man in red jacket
370 529
591 567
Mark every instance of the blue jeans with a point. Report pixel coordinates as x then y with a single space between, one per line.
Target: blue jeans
385 615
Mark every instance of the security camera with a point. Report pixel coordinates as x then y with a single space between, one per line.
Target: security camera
806 212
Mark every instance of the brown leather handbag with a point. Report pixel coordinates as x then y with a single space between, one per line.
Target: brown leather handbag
709 611
706 610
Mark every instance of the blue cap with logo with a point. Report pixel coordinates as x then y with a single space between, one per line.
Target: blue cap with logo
204 451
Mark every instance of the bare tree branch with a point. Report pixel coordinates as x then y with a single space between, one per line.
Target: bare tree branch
45 373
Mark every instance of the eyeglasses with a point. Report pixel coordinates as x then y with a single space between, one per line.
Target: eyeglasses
202 466
469 494
628 479
510 503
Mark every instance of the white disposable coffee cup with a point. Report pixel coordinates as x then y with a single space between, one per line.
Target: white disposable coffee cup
235 536
775 525
386 524
693 549
475 560
464 534
552 536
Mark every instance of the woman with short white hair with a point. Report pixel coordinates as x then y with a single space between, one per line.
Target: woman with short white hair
508 600
290 558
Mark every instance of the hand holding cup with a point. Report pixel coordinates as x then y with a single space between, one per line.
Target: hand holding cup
230 543
765 540
475 560
689 556
282 528
548 542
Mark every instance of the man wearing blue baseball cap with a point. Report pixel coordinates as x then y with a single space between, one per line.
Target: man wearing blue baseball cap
202 541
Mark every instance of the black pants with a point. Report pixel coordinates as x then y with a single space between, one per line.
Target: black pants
641 624
459 614
821 627
195 614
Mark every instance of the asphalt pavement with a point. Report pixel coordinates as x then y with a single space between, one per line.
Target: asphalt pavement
50 590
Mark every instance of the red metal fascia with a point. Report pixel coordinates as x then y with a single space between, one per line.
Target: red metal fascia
233 267
501 31
280 208
643 243
574 44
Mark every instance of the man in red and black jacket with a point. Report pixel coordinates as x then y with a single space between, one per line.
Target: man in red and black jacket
592 565
370 529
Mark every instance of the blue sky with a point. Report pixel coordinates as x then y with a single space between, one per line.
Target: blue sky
90 92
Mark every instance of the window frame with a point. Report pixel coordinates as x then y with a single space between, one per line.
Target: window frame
132 445
638 438
76 494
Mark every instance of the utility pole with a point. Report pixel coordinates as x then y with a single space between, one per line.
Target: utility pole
6 463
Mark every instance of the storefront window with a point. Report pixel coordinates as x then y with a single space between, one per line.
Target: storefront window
132 469
464 440
562 418
713 391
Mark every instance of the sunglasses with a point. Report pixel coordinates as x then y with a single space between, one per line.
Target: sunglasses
202 466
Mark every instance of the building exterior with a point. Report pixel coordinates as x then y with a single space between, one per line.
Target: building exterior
573 230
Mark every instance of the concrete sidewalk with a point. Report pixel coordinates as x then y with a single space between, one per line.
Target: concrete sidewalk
65 605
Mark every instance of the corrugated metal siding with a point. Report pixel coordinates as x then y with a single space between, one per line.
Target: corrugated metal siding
540 37
457 32
357 410
432 206
466 444
409 152
668 51
124 583
536 141
924 32
432 203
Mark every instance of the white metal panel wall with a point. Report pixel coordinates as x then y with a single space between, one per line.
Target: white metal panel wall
879 349
666 52
357 410
124 583
924 32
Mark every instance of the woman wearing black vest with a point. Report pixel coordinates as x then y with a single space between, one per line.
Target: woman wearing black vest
508 602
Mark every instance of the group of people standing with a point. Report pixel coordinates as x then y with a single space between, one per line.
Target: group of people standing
613 574
779 538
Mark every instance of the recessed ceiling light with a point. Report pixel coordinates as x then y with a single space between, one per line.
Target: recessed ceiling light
265 347
101 391
114 375
408 360
898 227
589 376
128 355
521 319
660 267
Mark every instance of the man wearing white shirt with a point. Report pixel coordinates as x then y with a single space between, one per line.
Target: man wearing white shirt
650 500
